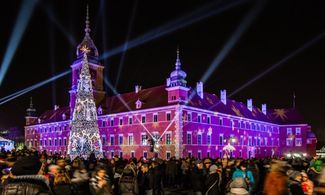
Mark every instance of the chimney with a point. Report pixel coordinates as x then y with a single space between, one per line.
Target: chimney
264 108
199 89
137 88
56 107
223 96
167 82
250 104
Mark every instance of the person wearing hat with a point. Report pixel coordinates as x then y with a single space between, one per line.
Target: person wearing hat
212 181
238 186
294 182
24 178
307 184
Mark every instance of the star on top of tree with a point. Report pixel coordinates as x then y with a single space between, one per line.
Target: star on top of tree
85 49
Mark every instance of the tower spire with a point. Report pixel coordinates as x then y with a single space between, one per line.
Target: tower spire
31 102
87 28
178 61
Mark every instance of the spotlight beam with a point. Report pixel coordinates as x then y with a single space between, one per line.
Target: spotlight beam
120 67
236 35
276 65
28 89
49 12
196 16
23 17
125 104
282 61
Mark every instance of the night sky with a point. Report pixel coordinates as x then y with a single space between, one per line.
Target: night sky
280 28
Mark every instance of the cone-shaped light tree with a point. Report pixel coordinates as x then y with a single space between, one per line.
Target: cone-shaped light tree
84 135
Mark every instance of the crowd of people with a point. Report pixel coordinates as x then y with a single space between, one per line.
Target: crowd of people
30 172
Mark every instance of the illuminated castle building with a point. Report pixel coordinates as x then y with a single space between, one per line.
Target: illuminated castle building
181 121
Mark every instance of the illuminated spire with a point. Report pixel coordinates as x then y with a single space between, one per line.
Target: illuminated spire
87 29
178 61
31 111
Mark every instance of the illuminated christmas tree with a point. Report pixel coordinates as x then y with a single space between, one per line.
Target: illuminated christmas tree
84 135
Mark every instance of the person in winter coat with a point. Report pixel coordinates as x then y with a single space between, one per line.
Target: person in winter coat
276 180
128 184
24 178
171 172
212 181
307 184
242 172
145 187
294 182
197 178
99 183
80 180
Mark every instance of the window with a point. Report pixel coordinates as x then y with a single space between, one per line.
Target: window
250 140
220 153
220 121
298 142
289 131
121 154
255 141
199 154
50 142
41 142
272 141
112 140
189 137
208 154
289 141
132 154
189 154
241 140
189 116
60 142
208 119
265 141
168 155
130 136
199 117
145 154
112 122
130 120
155 118
121 121
199 139
103 140
258 141
209 139
168 116
45 142
168 138
103 123
143 139
221 139
143 119
112 154
120 139
65 141
298 131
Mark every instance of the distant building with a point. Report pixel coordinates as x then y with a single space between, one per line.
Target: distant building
184 121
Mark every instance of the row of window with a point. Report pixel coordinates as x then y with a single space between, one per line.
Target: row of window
47 129
130 120
291 141
144 139
289 131
257 141
240 124
49 142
